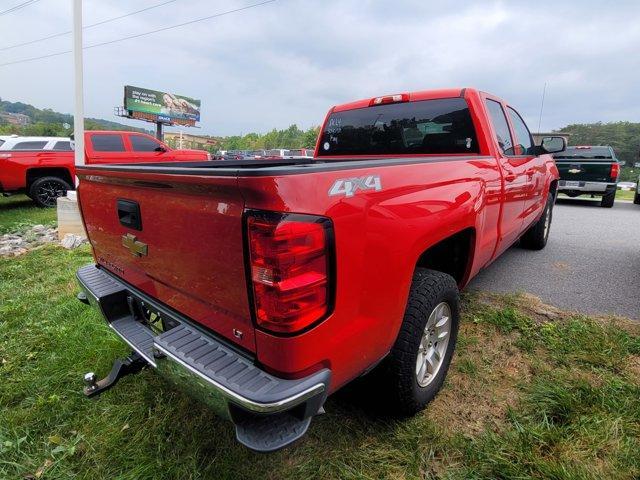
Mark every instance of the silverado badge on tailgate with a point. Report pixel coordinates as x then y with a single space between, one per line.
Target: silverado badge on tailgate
135 246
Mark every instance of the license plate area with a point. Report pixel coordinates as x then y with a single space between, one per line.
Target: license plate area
570 183
151 317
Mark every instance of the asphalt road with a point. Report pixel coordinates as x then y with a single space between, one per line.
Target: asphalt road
591 263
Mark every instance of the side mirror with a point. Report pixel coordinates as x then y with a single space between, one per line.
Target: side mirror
553 144
160 149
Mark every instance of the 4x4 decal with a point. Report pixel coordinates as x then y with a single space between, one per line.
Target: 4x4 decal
349 186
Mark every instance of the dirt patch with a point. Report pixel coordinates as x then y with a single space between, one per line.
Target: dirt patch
633 366
561 266
473 402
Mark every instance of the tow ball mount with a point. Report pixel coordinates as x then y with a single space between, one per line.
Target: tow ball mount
121 368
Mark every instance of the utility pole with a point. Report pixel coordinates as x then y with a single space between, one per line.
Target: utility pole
78 114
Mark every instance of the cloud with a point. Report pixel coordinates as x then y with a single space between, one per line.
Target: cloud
289 61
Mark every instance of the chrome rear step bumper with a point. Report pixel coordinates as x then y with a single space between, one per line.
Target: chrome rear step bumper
269 412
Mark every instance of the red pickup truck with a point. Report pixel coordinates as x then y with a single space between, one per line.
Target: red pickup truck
44 167
263 286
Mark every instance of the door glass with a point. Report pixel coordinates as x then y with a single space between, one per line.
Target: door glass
523 137
141 143
107 142
500 125
63 145
29 146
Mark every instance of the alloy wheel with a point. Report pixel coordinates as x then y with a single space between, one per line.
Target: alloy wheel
433 344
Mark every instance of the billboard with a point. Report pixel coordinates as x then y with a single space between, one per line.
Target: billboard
167 106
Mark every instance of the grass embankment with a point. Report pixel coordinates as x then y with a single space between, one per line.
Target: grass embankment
532 393
625 194
18 213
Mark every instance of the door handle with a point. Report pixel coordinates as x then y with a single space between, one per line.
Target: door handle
510 177
129 214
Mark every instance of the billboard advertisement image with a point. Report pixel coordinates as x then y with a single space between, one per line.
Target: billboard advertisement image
169 106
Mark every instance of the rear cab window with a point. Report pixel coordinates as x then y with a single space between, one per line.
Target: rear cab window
437 126
586 153
107 142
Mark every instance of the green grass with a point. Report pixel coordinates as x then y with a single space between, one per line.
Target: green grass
18 212
524 398
625 194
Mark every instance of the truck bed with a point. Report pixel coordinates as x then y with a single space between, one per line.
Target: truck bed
275 167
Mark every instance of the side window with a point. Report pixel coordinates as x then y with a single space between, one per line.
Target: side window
107 142
29 145
140 143
523 136
65 145
501 126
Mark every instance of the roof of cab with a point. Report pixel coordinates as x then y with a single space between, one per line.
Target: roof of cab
413 97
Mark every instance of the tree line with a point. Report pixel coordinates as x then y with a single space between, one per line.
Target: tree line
624 137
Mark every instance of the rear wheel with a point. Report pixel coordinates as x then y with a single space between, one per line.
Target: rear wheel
608 199
536 237
45 190
417 365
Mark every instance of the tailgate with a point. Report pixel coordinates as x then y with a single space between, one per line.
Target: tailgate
584 170
192 229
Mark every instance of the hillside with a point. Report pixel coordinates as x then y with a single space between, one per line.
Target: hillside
47 122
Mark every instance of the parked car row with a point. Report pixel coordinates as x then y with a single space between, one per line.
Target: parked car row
271 154
44 167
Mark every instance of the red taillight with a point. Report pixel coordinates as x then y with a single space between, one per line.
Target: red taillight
615 171
289 262
401 97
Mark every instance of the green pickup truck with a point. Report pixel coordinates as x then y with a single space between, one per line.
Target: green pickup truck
589 170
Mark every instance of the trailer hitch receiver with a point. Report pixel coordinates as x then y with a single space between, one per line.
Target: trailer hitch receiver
121 368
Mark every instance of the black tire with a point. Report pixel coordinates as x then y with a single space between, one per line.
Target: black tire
636 198
44 191
608 199
399 372
536 237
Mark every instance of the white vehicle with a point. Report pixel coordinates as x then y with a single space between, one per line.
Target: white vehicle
627 185
277 152
16 142
301 152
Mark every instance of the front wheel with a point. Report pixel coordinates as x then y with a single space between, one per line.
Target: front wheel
45 190
536 237
417 365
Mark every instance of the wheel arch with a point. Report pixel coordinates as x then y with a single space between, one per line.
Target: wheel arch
452 255
34 173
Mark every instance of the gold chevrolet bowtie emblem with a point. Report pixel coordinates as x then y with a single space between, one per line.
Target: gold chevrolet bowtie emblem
574 170
136 247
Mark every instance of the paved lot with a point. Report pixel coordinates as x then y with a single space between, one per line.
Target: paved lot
591 263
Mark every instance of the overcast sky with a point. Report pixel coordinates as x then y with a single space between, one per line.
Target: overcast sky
288 61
